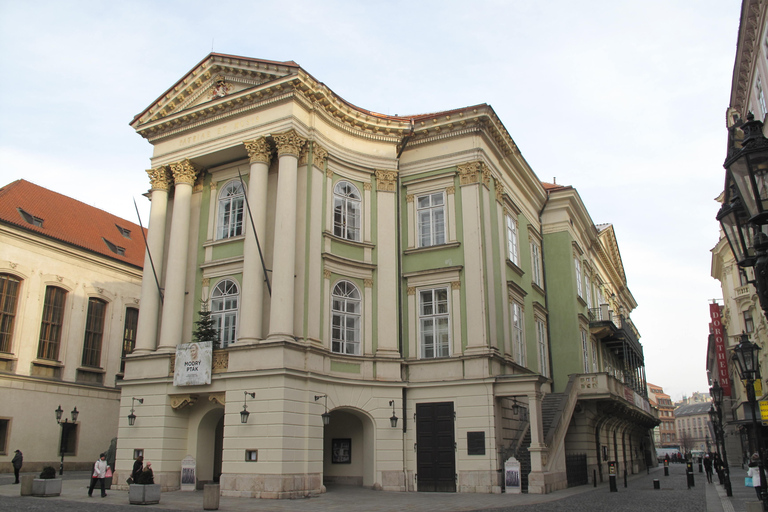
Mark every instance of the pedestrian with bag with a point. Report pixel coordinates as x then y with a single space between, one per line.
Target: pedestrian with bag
754 473
17 460
138 467
100 468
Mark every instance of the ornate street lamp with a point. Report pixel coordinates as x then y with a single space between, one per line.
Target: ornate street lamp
326 415
244 413
59 411
132 417
748 167
745 356
393 419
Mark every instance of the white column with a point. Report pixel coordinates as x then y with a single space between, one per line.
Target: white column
252 296
289 146
150 306
184 175
387 282
537 450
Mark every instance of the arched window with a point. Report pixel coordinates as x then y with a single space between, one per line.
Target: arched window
346 211
230 219
345 324
224 304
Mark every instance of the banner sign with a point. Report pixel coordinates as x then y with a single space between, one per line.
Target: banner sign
763 410
721 357
193 364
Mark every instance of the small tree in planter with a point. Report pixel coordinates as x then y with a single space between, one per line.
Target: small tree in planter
47 484
205 329
145 491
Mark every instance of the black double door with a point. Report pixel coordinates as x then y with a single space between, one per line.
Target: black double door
435 448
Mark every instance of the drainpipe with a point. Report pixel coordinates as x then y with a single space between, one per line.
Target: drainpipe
546 290
400 327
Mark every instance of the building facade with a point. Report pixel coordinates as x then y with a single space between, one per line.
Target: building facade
694 429
70 279
665 433
362 270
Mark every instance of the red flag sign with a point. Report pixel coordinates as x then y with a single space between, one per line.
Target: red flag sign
721 358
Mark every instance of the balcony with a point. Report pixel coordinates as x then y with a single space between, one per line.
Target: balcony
617 332
604 387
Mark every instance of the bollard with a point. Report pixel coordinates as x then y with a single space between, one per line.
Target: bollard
594 478
689 473
625 478
656 484
26 484
701 468
211 493
612 476
666 467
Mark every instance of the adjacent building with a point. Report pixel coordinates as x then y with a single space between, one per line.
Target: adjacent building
694 431
70 279
385 313
665 433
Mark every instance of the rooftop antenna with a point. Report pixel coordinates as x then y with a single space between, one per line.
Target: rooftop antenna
212 44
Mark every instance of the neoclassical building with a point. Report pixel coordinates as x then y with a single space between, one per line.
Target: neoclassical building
70 280
361 269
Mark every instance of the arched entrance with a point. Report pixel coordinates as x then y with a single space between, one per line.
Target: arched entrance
348 449
210 442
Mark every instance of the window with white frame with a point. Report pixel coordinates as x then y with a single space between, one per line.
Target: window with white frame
94 332
577 265
430 214
230 218
513 242
345 321
9 296
761 97
585 350
434 323
225 299
599 292
541 341
595 368
346 211
587 290
749 324
536 263
52 323
518 334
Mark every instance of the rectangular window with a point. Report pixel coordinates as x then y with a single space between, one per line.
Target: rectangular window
68 444
5 425
512 241
518 336
588 291
541 341
9 294
434 321
129 333
94 332
595 369
577 266
536 263
430 211
585 350
761 97
743 279
749 324
50 327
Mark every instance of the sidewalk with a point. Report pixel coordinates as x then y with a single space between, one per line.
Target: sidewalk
639 495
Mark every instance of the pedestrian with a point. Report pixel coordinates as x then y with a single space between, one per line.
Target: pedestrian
147 476
99 473
17 461
754 472
138 467
708 467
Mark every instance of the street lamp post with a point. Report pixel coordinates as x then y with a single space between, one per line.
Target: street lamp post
59 411
716 414
746 358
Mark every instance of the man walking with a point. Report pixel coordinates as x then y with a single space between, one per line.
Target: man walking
99 473
708 467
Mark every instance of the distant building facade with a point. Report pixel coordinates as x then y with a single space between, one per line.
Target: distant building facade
70 279
693 427
665 432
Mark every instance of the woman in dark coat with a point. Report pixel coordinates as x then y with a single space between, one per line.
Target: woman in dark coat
17 460
138 466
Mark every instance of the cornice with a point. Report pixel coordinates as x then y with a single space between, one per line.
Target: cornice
747 50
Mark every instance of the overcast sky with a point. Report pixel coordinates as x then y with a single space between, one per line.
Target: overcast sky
623 100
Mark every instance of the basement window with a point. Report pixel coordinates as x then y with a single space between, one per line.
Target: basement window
114 248
30 219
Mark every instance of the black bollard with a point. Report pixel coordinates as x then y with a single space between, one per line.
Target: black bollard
701 467
689 472
612 476
625 478
666 467
656 484
594 478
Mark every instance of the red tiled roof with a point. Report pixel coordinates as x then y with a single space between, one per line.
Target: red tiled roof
70 221
553 186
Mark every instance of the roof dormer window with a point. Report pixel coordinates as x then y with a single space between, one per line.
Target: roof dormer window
114 248
30 219
125 232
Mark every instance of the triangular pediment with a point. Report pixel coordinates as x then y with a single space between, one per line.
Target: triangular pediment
608 238
212 81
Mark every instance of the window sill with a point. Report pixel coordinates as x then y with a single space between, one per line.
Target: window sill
538 288
417 250
219 241
354 243
7 356
514 267
582 301
48 362
91 369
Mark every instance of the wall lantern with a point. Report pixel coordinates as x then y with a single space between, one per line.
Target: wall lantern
748 168
132 417
746 358
244 413
326 415
393 419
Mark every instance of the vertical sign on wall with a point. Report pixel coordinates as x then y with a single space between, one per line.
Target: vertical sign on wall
721 359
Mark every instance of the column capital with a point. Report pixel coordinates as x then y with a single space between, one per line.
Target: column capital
259 150
183 172
319 155
386 181
159 178
289 143
470 172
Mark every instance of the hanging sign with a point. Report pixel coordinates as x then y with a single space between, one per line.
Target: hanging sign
193 364
721 358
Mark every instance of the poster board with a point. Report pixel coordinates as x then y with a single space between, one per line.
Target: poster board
193 364
512 482
188 474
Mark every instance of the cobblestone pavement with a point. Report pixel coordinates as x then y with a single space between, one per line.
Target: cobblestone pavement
639 495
